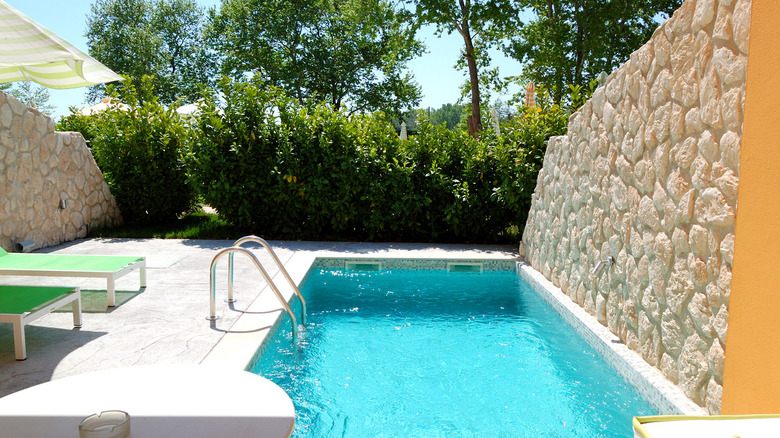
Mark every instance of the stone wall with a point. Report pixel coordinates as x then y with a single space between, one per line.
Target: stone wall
648 174
40 168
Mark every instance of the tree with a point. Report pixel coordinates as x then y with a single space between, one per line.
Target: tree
482 24
569 42
449 115
349 53
33 95
160 38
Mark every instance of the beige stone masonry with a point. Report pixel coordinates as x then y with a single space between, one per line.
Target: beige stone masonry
40 169
648 174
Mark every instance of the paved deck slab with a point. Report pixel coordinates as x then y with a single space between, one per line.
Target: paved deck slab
165 322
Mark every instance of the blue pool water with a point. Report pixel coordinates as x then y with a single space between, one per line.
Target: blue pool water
437 354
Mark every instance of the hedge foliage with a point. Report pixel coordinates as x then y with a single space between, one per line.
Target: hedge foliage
141 152
288 171
275 168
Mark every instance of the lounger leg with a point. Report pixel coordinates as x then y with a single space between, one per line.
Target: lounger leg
143 276
110 290
77 310
20 347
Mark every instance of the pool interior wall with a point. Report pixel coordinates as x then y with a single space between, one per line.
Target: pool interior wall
662 394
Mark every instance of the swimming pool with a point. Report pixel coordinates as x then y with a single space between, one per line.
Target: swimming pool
434 353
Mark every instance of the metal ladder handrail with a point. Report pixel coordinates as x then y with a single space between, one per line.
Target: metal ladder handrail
232 250
264 243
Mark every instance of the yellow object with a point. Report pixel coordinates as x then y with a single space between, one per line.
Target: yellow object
719 426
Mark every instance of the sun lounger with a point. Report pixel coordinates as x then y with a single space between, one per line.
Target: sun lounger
21 305
61 265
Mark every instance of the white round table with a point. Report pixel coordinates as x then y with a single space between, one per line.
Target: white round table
163 401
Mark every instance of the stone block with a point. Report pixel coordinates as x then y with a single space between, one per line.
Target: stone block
703 14
741 24
684 54
701 314
671 334
668 367
731 108
703 47
730 144
680 288
710 101
686 89
716 359
701 169
648 213
678 184
613 313
726 181
680 22
720 323
708 146
633 85
664 249
698 241
609 116
724 281
644 174
619 194
694 369
661 91
650 343
722 32
714 397
662 48
659 273
614 88
6 115
727 248
17 107
661 158
712 209
676 123
683 153
630 314
730 67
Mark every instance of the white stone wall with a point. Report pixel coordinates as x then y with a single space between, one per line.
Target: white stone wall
648 174
40 167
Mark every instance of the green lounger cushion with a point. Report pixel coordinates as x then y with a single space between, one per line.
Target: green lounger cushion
57 262
16 300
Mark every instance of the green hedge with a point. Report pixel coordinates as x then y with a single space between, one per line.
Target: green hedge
275 168
282 170
141 152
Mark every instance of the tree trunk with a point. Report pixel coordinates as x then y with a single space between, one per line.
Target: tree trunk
580 48
475 120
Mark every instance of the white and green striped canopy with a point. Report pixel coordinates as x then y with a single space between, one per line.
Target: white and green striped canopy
30 52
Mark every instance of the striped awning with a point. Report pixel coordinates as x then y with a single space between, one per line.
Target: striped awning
30 52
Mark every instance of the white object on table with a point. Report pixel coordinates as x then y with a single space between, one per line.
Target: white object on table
163 401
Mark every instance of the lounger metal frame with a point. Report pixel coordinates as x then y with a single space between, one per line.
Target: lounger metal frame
19 320
110 277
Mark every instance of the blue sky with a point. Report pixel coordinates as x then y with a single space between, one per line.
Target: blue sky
434 71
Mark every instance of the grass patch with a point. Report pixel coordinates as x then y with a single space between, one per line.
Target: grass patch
209 226
197 225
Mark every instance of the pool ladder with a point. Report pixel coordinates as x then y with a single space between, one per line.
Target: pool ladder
236 248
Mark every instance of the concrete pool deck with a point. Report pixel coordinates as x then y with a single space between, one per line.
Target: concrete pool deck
165 323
